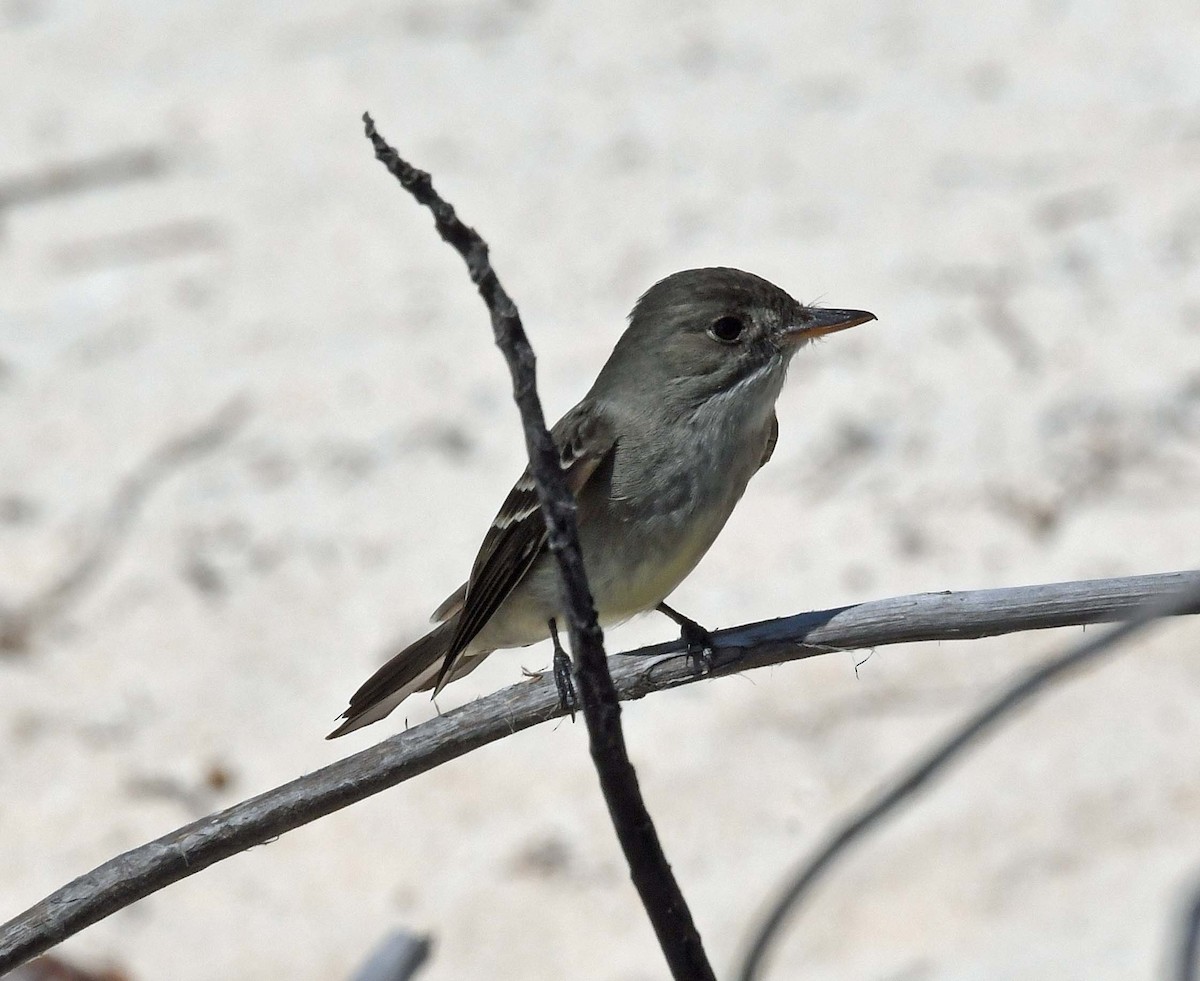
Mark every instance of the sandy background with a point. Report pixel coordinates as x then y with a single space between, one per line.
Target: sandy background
1015 192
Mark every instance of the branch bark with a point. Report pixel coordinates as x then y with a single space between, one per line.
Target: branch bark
123 880
648 866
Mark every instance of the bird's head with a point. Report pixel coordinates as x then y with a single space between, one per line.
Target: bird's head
704 332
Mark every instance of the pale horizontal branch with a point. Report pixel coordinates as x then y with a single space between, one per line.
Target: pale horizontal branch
923 617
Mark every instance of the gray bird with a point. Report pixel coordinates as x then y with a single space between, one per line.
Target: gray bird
657 454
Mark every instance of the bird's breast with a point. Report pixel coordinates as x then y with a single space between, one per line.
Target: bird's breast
645 520
665 508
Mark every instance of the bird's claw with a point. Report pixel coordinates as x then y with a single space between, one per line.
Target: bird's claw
700 646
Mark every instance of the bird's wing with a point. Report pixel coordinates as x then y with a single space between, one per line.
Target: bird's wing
772 439
450 605
518 532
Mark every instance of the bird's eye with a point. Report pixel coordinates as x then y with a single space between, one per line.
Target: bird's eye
727 330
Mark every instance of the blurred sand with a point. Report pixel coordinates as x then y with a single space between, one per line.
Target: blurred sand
1016 193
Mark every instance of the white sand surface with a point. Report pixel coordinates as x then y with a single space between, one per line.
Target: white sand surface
1013 189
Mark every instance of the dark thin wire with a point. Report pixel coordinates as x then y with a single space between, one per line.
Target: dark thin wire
1188 968
937 760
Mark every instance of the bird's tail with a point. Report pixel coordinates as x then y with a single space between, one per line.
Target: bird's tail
414 669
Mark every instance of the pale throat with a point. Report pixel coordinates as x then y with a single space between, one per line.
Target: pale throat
742 411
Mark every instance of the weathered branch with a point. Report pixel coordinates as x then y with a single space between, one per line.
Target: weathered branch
648 866
136 874
917 776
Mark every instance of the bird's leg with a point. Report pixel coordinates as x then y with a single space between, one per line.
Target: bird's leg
700 644
562 674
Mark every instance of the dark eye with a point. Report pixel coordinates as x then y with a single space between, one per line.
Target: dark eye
727 330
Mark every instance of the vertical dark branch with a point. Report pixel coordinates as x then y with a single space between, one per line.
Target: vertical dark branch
652 876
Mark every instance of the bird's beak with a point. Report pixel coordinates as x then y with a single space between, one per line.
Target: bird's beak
821 322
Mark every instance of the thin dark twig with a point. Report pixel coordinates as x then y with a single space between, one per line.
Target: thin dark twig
20 621
949 750
83 175
123 880
398 958
648 866
1188 966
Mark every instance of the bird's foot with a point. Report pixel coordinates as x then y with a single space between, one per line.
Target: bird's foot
701 648
567 699
699 643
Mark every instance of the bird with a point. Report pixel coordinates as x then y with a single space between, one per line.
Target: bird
657 455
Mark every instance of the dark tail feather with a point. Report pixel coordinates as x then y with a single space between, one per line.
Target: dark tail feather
413 669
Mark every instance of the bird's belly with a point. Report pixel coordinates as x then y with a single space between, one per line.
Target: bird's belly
653 565
630 572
